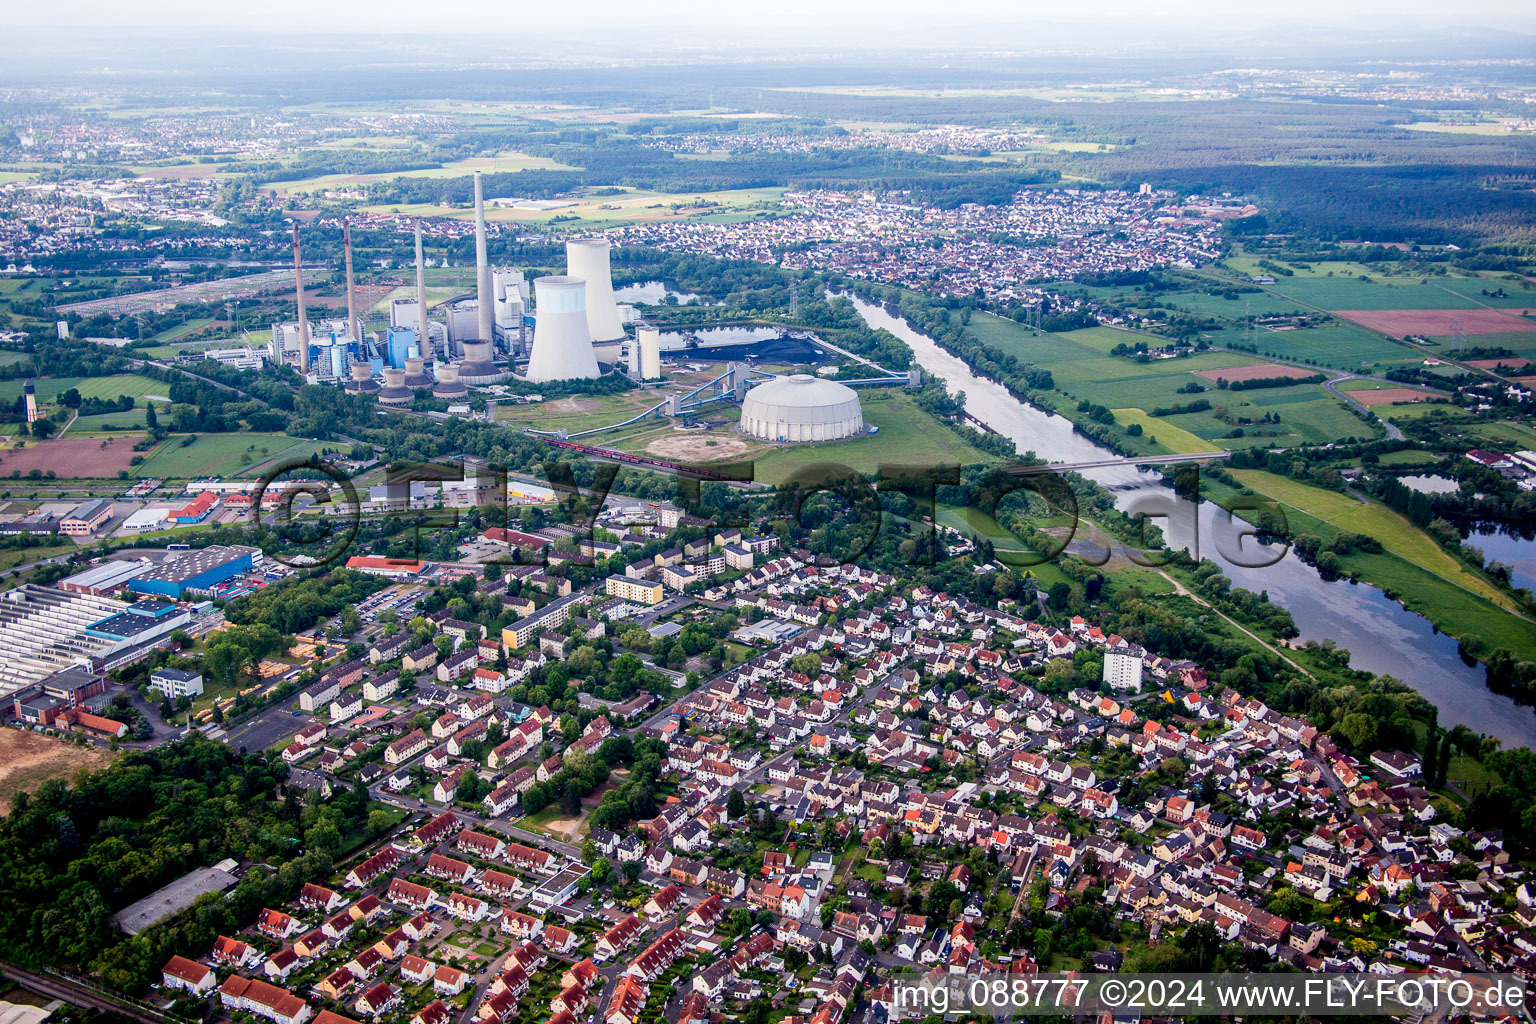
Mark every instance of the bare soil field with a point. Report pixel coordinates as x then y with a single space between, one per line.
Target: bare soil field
29 758
574 403
1399 323
1389 396
697 447
1509 363
1257 371
72 457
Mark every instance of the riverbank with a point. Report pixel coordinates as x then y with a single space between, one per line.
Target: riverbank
1380 634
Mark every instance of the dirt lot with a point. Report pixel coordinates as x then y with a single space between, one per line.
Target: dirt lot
1258 371
29 758
1399 323
697 447
1388 396
573 404
71 457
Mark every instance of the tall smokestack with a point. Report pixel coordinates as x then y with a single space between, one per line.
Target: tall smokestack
346 244
424 343
298 286
482 266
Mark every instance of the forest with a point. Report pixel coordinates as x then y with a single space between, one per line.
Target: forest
72 855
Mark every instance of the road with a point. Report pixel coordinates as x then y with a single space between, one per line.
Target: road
1393 431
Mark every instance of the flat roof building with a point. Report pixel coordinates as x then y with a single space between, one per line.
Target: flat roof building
198 570
105 579
176 897
86 518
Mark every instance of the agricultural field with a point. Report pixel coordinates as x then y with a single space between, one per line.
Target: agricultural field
908 436
71 457
1518 292
107 423
1346 290
50 388
500 163
1083 369
1340 346
1172 437
629 207
241 454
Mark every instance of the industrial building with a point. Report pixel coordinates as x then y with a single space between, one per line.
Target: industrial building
45 631
86 518
196 510
801 407
105 579
197 571
176 683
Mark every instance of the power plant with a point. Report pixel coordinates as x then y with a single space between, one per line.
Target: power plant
478 339
562 341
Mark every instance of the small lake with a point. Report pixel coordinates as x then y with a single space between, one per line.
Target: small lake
1430 484
653 293
1381 635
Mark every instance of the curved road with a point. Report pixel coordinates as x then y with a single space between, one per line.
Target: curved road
1393 432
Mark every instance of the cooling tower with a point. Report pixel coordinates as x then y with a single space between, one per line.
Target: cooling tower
482 267
448 385
649 339
477 368
562 344
587 258
298 286
416 375
362 379
395 392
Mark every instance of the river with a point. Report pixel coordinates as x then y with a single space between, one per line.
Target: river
1381 635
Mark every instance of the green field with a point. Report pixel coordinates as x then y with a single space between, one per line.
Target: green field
908 436
1343 346
224 455
1518 293
107 423
632 206
581 413
50 388
1341 292
1174 438
502 162
1080 363
1395 533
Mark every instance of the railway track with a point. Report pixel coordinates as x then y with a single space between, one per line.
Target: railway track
78 993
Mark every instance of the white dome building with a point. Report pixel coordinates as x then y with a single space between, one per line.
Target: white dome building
801 408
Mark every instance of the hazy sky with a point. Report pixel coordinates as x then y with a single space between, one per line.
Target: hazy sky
818 20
